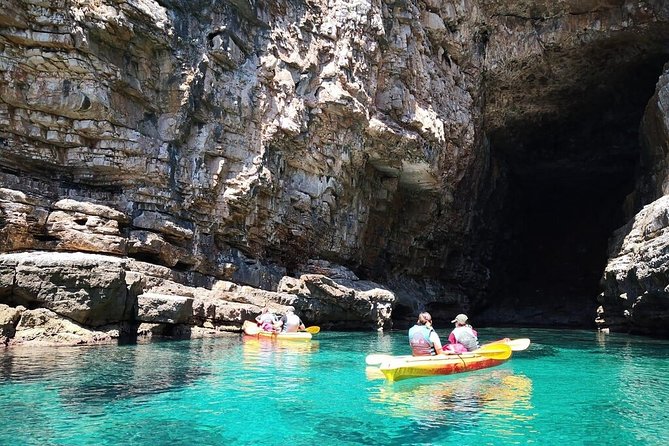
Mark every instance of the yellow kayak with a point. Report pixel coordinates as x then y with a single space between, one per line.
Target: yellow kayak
396 368
414 367
252 329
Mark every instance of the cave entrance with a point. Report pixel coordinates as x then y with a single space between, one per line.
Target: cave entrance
554 245
567 180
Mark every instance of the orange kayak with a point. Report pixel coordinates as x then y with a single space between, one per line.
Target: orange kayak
418 366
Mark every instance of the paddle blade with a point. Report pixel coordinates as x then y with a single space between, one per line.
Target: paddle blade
313 329
518 345
376 358
494 351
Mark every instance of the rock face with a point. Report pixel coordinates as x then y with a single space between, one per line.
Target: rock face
636 295
88 289
636 290
248 142
74 298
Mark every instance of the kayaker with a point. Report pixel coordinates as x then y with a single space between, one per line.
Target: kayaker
424 341
463 338
291 322
267 320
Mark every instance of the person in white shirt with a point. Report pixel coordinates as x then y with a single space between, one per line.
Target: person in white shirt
290 322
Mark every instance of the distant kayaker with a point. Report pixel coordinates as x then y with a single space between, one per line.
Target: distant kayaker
424 341
267 320
463 338
291 322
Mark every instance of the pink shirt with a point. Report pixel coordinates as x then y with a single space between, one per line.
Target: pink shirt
457 334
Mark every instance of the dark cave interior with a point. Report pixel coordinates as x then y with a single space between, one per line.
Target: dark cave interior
566 182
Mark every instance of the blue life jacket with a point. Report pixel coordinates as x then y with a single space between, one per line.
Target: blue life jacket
419 340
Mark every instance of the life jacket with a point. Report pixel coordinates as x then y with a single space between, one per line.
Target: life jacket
266 321
419 340
465 335
291 322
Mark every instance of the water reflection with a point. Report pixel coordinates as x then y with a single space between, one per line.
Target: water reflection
383 342
275 371
255 348
373 373
499 394
95 375
263 353
639 369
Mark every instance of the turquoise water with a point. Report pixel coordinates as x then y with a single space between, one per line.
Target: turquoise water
568 388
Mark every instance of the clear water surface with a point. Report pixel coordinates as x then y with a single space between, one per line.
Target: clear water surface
568 388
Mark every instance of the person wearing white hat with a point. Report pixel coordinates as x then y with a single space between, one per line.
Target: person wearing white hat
463 338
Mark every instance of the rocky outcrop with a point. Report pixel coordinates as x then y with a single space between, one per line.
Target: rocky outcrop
79 298
9 318
45 327
636 287
87 288
347 303
636 292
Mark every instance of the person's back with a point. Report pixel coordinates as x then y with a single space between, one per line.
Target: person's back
419 340
463 338
291 322
424 341
266 320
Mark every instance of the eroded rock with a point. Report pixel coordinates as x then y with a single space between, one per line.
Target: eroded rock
44 327
87 288
636 295
87 298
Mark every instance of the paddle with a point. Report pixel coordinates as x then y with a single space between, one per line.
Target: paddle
494 351
518 345
313 329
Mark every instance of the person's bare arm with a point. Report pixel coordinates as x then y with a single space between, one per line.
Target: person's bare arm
434 337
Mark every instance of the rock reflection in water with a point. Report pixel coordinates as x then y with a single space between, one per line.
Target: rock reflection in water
98 374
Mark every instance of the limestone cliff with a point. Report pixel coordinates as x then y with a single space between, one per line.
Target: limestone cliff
247 143
635 294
